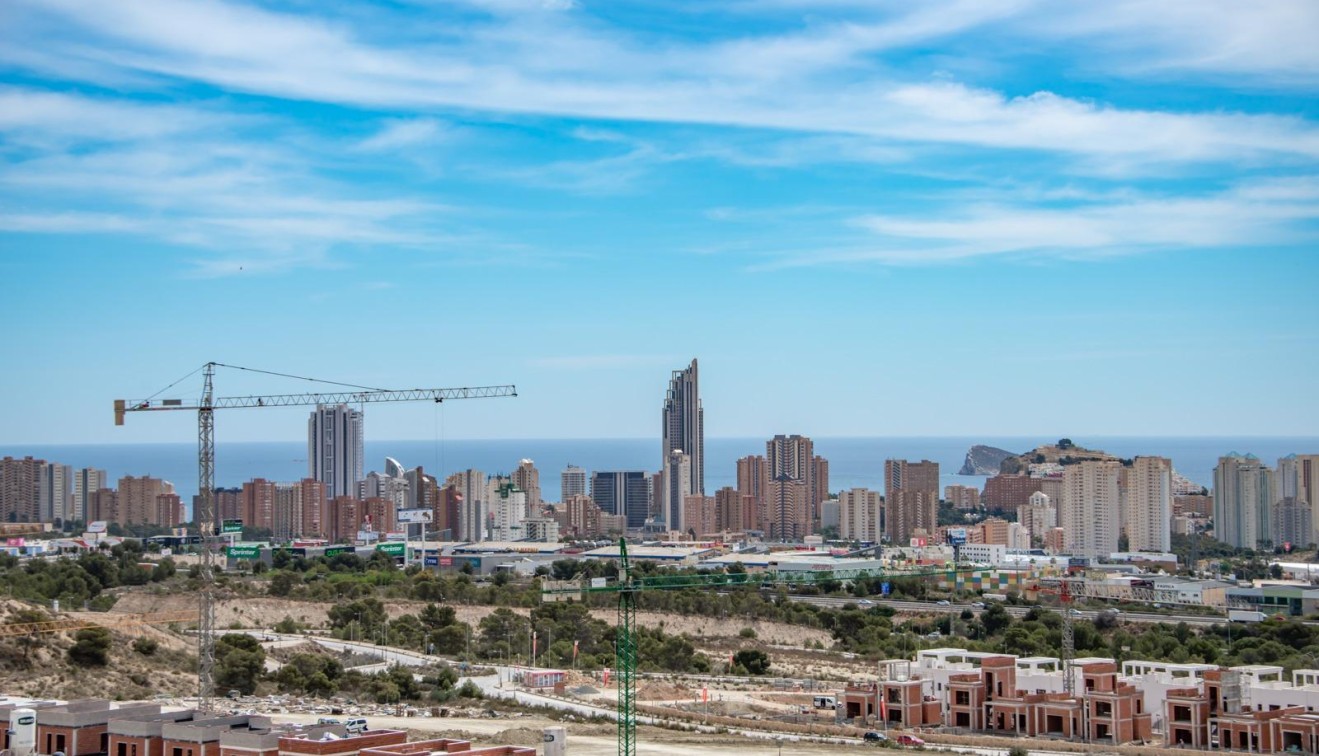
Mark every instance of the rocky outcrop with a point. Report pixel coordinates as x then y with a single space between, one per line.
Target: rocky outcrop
984 460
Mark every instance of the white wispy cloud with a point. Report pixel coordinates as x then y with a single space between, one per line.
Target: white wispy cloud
1263 214
400 134
813 80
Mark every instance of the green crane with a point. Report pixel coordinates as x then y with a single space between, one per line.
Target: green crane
629 585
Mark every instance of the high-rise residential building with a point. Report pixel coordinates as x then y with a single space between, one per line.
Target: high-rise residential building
1092 507
169 511
736 510
86 481
508 510
962 497
1006 493
228 503
379 515
20 489
397 489
572 482
700 516
258 504
472 512
527 478
56 492
1243 501
1291 522
753 481
911 498
103 506
137 499
286 512
315 507
626 494
335 439
683 421
1307 489
788 516
447 512
581 516
343 518
860 515
677 487
1147 504
794 456
1038 516
829 515
819 488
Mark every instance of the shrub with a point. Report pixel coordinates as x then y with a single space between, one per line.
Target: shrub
91 647
747 632
145 646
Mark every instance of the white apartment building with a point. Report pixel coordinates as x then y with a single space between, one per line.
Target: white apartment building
508 510
1091 508
1147 504
334 448
677 485
1243 500
86 482
1039 516
572 482
474 512
859 516
56 492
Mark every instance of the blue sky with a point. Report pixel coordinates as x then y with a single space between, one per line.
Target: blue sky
865 218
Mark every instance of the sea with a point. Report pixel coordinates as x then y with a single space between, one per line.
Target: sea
853 461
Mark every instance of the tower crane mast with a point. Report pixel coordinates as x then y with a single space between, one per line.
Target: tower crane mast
205 513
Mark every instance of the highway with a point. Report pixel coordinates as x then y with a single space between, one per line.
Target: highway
931 607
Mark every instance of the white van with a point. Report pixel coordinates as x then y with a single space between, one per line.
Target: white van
356 725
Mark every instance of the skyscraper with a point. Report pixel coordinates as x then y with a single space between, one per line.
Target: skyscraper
1243 501
334 448
572 482
527 478
624 493
472 512
1307 489
911 498
258 504
86 482
20 489
56 492
753 481
508 509
137 499
683 423
677 487
859 515
1091 507
788 516
1147 504
794 457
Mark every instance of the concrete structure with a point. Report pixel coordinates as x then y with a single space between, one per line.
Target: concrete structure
860 516
86 481
753 481
508 510
472 509
572 482
1291 523
527 478
911 498
137 500
793 458
1038 516
787 516
20 489
581 517
736 511
56 492
677 487
1146 493
683 429
335 436
1243 499
623 493
962 497
700 516
1091 507
257 504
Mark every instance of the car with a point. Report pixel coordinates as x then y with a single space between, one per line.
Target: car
355 725
979 605
865 602
328 721
1074 612
874 737
909 740
943 602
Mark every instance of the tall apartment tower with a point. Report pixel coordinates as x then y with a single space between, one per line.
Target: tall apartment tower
623 493
859 515
1147 504
315 507
753 481
86 481
286 512
137 499
788 516
678 473
56 492
1091 507
527 478
794 457
20 489
472 511
258 504
572 482
911 498
334 448
1038 516
1307 489
508 509
1243 501
684 426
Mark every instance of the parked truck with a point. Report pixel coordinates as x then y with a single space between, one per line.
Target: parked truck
1238 615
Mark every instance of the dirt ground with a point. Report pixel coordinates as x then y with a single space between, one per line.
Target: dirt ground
588 739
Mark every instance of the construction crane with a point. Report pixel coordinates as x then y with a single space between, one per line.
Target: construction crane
16 629
206 515
1067 653
628 586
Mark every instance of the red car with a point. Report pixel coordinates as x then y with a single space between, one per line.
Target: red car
909 740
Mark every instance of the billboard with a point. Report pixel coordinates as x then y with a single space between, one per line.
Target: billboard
416 515
392 548
96 527
957 536
243 552
232 526
332 550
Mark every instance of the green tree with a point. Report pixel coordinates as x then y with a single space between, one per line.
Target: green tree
282 583
754 661
91 647
995 619
239 662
